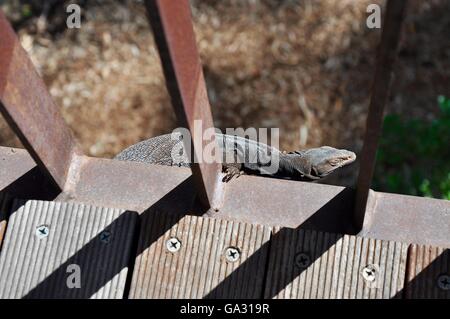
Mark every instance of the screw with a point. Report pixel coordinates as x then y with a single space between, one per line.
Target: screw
173 244
444 282
105 237
232 254
302 260
42 231
370 272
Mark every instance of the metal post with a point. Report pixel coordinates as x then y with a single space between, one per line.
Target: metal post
30 110
175 39
380 91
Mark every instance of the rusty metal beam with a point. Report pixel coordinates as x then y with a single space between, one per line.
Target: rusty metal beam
174 36
30 111
409 219
139 186
380 91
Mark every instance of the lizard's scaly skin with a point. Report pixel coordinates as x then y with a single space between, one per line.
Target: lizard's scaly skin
245 154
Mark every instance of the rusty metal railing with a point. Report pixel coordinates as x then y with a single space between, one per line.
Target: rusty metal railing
175 39
380 92
30 111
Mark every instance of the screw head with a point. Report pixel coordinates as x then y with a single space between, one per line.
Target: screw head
443 282
302 260
42 231
232 254
370 273
105 237
173 244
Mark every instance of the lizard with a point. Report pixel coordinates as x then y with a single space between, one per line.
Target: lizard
249 157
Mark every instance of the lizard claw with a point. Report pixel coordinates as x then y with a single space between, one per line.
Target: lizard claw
230 173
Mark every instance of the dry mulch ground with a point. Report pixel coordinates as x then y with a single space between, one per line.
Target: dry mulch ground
302 66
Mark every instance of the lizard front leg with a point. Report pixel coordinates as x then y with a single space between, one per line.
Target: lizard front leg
231 170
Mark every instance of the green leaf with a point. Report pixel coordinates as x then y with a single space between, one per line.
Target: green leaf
26 11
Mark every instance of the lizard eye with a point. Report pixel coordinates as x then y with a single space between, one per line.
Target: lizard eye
334 161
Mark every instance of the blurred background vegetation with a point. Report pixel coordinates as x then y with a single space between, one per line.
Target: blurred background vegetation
304 66
414 155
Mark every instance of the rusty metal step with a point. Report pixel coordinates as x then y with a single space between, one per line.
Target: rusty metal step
195 257
186 257
200 257
428 272
308 264
47 244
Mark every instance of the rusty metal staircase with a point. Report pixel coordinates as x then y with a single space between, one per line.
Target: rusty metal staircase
146 231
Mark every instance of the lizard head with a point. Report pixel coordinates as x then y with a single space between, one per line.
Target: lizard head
315 163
